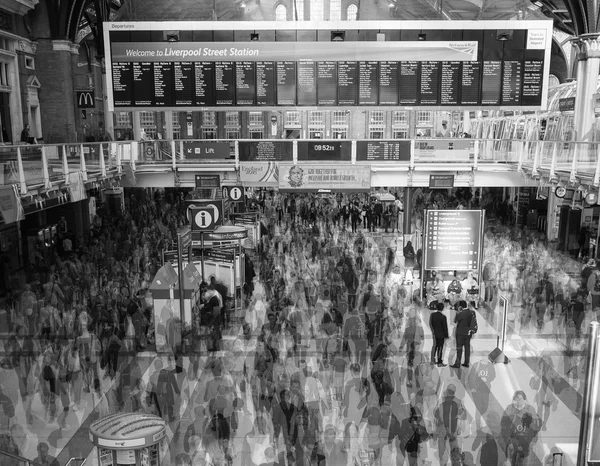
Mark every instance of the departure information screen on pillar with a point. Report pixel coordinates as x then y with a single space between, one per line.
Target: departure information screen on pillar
445 63
453 239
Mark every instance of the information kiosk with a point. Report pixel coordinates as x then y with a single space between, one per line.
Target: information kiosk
132 439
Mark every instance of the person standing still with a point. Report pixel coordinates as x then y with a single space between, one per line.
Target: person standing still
438 323
464 321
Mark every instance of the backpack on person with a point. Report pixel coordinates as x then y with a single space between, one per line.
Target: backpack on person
597 283
474 326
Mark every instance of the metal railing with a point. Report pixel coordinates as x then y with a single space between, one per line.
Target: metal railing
44 166
16 460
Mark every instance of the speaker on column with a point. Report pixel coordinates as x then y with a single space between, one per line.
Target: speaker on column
497 356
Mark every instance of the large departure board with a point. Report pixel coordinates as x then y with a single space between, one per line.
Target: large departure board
477 67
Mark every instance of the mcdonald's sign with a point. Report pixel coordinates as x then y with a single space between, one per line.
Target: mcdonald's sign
85 99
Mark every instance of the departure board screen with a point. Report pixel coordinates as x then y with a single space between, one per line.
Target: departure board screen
225 83
347 83
205 83
388 83
245 83
482 66
383 151
265 83
409 83
286 83
430 76
327 83
367 83
143 84
183 74
123 84
307 83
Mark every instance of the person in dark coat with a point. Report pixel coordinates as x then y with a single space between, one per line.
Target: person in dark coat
409 255
464 321
438 323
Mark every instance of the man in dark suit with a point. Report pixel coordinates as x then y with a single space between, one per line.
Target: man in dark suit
464 330
447 416
439 328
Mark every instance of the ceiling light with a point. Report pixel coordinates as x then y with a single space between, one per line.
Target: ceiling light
254 37
422 36
338 36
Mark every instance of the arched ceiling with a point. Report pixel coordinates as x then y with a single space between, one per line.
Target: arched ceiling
81 20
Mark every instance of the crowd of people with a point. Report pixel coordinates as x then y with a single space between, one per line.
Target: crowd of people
324 363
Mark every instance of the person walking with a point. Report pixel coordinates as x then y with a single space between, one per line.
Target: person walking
466 324
438 323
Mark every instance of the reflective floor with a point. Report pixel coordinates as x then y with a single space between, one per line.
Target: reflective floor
352 387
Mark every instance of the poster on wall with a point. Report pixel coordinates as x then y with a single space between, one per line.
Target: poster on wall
257 174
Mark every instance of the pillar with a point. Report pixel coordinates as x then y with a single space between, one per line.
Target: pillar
57 96
588 66
135 121
408 201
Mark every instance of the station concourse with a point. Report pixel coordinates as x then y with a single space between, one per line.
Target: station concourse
298 232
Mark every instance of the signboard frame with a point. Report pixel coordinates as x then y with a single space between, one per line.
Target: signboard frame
537 47
480 237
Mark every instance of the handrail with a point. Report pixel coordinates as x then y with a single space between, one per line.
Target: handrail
18 458
52 166
77 458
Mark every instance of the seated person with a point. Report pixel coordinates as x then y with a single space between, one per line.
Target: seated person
454 292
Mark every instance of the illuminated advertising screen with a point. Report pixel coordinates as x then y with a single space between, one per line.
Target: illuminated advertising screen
460 63
453 239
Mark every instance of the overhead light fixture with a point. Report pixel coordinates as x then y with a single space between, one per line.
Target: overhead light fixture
422 36
172 36
392 4
338 36
504 35
254 37
243 5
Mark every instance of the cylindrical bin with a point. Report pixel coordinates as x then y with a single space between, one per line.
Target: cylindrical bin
130 439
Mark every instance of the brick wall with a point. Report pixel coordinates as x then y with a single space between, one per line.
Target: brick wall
57 96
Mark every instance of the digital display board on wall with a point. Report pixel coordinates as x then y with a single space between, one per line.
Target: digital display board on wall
470 64
453 239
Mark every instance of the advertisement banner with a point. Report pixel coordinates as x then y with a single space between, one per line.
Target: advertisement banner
10 205
324 178
280 51
444 150
76 187
257 174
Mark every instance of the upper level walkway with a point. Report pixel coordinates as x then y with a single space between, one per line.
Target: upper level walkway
39 169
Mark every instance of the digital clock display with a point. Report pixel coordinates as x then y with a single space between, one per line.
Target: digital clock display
325 150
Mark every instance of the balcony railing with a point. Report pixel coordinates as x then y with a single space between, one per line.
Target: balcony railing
38 167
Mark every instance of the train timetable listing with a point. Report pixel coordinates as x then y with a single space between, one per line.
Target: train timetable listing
122 84
307 83
388 83
143 84
286 83
533 72
183 83
367 82
511 82
469 83
409 83
245 83
224 83
265 83
205 83
450 83
383 151
347 83
430 77
163 84
327 83
491 86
